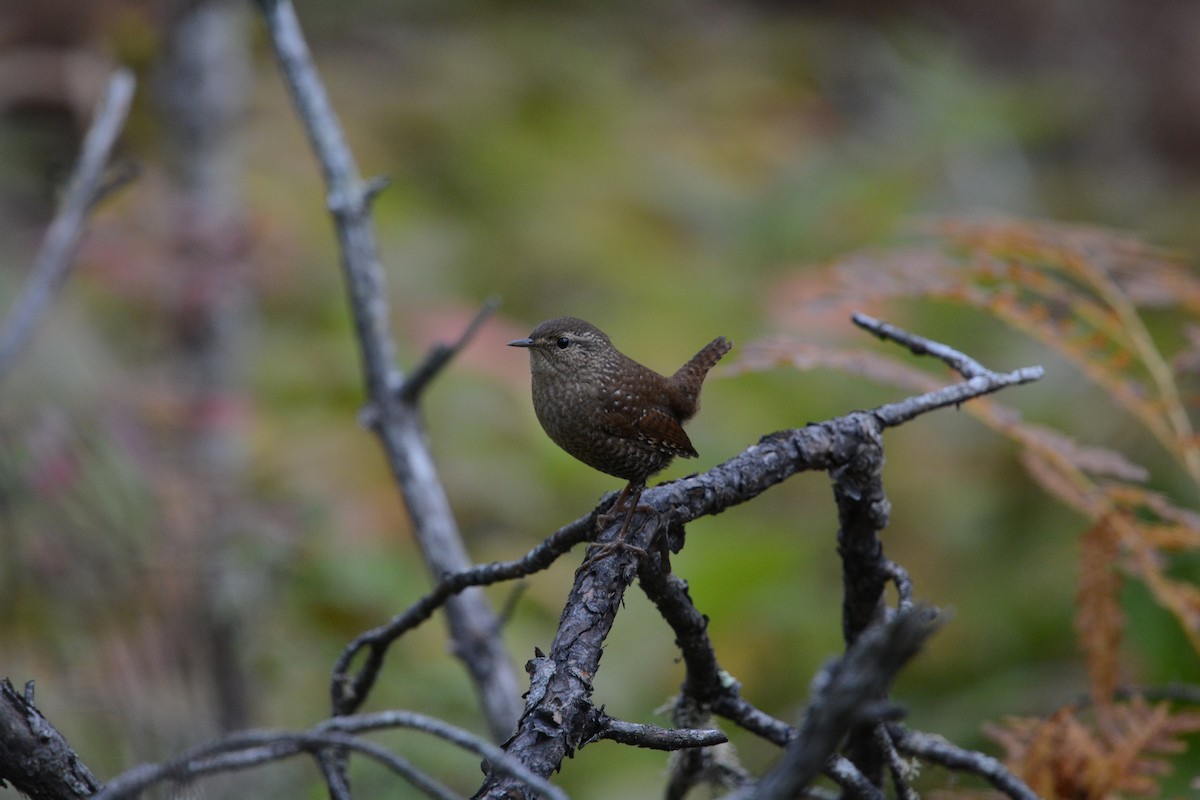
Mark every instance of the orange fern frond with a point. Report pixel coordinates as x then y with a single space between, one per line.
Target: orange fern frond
1074 289
1100 622
1149 276
1064 756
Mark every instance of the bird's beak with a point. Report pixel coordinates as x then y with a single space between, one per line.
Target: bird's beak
521 343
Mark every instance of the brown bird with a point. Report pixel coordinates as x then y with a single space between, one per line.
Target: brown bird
609 411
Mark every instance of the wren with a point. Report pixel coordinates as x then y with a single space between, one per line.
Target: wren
609 411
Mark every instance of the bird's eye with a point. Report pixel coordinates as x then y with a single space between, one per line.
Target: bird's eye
563 343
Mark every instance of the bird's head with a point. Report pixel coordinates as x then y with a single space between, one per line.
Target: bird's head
566 346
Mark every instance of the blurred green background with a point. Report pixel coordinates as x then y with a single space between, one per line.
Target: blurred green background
185 490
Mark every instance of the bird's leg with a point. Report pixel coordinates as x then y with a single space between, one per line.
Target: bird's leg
630 495
602 520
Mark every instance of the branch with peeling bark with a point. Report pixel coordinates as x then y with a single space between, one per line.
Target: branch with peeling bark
34 756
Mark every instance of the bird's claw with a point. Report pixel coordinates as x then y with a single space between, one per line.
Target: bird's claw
602 551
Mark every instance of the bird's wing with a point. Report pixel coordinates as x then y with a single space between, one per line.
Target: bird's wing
664 430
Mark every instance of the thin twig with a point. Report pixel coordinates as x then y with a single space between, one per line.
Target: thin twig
497 758
246 749
896 766
441 354
348 692
961 363
55 259
895 414
980 379
651 737
936 750
1171 692
904 588
747 716
843 772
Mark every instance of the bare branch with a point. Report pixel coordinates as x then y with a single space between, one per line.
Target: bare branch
248 749
650 736
980 379
472 623
904 588
845 697
559 717
34 757
332 762
961 363
741 711
863 511
937 750
842 772
349 692
900 771
439 356
252 748
87 184
557 709
497 758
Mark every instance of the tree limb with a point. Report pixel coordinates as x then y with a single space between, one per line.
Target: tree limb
394 412
348 690
845 697
86 185
34 757
937 750
251 748
602 726
441 354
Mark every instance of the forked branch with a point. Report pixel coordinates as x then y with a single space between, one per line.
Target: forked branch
392 398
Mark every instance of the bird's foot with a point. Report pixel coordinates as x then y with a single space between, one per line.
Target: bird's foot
602 551
605 549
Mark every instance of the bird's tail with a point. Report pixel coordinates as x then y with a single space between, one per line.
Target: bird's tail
690 376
